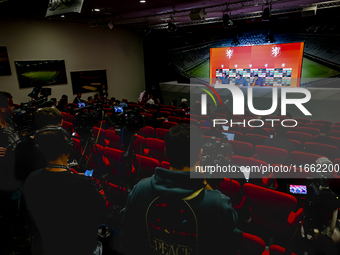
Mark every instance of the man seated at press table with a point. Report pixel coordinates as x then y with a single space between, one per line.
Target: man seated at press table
225 78
258 81
215 229
240 81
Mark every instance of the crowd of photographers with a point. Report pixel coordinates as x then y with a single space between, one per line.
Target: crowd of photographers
67 208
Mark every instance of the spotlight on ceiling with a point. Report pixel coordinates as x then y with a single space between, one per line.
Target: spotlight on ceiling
171 26
227 21
146 30
235 41
269 38
266 14
96 10
309 11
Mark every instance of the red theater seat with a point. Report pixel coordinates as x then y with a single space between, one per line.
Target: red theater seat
221 116
270 130
337 140
203 118
252 245
324 122
271 155
147 166
139 146
277 250
299 136
241 148
204 129
302 120
175 119
147 132
115 163
235 189
179 113
191 121
280 117
314 125
147 115
65 117
255 139
167 109
114 140
297 144
168 124
301 158
100 136
336 128
164 114
165 165
70 117
271 209
292 173
156 148
326 150
255 177
68 126
160 133
334 133
308 130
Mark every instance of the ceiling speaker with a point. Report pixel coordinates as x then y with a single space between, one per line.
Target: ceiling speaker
197 14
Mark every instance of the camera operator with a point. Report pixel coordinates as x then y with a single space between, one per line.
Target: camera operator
67 208
28 157
9 187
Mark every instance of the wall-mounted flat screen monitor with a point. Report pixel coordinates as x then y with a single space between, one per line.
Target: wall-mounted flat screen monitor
259 65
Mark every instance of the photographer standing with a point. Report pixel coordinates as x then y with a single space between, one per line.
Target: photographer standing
28 157
67 208
9 187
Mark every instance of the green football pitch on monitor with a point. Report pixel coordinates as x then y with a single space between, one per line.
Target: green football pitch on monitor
44 76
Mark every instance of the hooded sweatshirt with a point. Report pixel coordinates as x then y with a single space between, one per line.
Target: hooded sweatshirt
216 219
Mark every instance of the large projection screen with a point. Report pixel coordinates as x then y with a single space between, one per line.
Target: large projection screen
275 64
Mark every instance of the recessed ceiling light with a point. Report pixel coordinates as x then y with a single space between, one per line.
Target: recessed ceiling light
62 16
142 1
96 10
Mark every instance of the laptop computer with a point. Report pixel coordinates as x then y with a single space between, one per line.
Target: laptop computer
230 136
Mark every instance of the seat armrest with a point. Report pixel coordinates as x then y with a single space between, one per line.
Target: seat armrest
293 217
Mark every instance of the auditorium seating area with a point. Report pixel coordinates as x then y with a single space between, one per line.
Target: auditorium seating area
265 199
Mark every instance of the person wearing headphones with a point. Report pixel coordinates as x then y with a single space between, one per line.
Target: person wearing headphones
66 208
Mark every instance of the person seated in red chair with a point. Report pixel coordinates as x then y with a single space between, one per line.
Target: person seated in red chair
205 222
323 137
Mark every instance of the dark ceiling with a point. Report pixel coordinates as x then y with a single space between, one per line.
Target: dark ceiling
155 12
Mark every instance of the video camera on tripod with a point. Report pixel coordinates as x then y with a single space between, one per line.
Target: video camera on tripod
128 121
320 208
23 117
85 118
320 222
